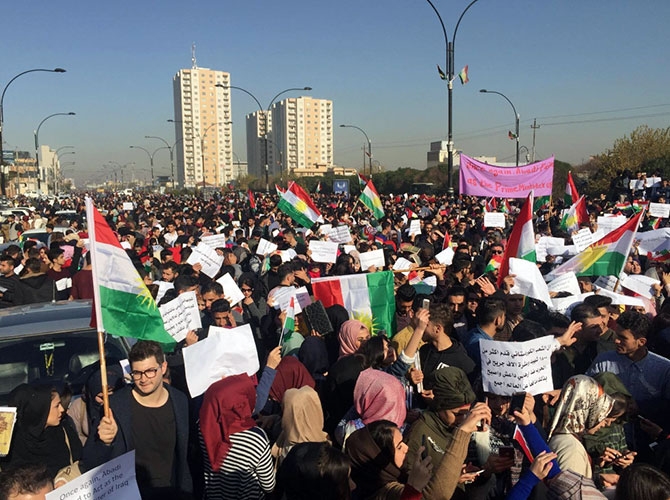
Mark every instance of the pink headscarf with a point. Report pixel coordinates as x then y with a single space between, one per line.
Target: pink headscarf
379 396
348 336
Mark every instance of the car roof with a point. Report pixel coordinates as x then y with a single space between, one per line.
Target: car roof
45 317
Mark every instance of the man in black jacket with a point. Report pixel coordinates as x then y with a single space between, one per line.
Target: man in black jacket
151 418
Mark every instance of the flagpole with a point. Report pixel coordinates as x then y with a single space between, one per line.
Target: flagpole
103 374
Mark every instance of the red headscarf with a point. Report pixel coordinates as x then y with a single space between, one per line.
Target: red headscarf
226 409
291 374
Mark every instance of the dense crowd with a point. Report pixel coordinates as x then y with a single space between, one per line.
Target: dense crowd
349 411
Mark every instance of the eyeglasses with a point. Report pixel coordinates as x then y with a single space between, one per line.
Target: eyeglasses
497 252
247 289
149 373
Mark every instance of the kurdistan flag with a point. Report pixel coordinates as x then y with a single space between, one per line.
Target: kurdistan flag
575 216
296 203
571 196
123 304
521 241
370 199
367 297
605 257
288 327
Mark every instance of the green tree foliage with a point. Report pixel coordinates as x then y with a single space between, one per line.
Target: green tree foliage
644 150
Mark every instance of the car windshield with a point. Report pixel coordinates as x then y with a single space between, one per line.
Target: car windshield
54 359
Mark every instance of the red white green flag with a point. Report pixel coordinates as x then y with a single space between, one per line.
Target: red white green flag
494 263
252 200
575 216
122 303
279 190
605 257
571 195
521 242
297 204
368 297
370 199
463 75
362 181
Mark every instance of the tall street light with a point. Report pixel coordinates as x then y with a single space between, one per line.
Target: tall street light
151 160
450 46
369 146
170 149
2 120
37 144
266 114
56 160
516 118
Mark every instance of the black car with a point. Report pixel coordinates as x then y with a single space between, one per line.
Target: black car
51 343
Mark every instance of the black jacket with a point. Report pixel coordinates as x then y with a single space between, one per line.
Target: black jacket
97 453
34 288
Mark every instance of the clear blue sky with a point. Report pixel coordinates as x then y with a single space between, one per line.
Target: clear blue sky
580 68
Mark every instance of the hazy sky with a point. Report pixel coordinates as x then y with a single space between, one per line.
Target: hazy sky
589 71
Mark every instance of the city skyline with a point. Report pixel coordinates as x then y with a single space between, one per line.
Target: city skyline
588 73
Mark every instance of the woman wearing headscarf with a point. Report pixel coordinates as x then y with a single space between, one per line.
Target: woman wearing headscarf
301 422
314 355
236 453
377 396
41 434
352 335
86 411
583 408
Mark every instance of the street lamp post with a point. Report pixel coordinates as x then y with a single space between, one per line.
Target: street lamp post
37 144
2 120
266 116
56 159
450 46
170 149
151 160
369 146
516 118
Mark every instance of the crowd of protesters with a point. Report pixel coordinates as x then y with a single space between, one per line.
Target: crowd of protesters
349 414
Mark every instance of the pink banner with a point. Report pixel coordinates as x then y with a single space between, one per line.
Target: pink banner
482 179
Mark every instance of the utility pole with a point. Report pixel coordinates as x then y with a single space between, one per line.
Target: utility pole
534 126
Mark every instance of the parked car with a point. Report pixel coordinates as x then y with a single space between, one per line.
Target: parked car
41 234
51 343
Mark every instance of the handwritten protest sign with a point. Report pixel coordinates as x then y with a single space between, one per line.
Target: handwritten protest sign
543 243
565 283
265 247
566 304
181 315
414 227
402 264
340 234
282 297
128 206
225 351
528 280
288 255
325 228
207 257
231 291
494 219
349 248
372 258
610 223
214 240
624 300
481 179
640 284
446 256
659 210
323 251
509 367
605 282
654 242
582 239
114 480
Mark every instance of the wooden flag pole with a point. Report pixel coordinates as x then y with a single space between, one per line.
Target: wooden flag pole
103 373
425 268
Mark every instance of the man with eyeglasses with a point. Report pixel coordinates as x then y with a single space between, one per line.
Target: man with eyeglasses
151 418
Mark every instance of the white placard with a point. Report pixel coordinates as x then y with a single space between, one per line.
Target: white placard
565 304
323 251
349 248
340 234
446 256
282 297
402 264
325 228
543 243
654 241
372 258
207 257
163 286
582 239
126 245
510 367
640 284
63 284
609 224
114 480
565 283
494 219
414 227
181 315
265 247
659 210
128 206
605 282
215 240
623 300
225 351
288 255
231 291
528 280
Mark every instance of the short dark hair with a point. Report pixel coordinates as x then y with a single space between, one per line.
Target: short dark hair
642 481
34 265
636 322
26 479
171 264
144 349
584 311
284 270
440 314
275 260
220 306
598 301
456 291
183 282
7 258
489 309
528 330
405 293
211 286
54 253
